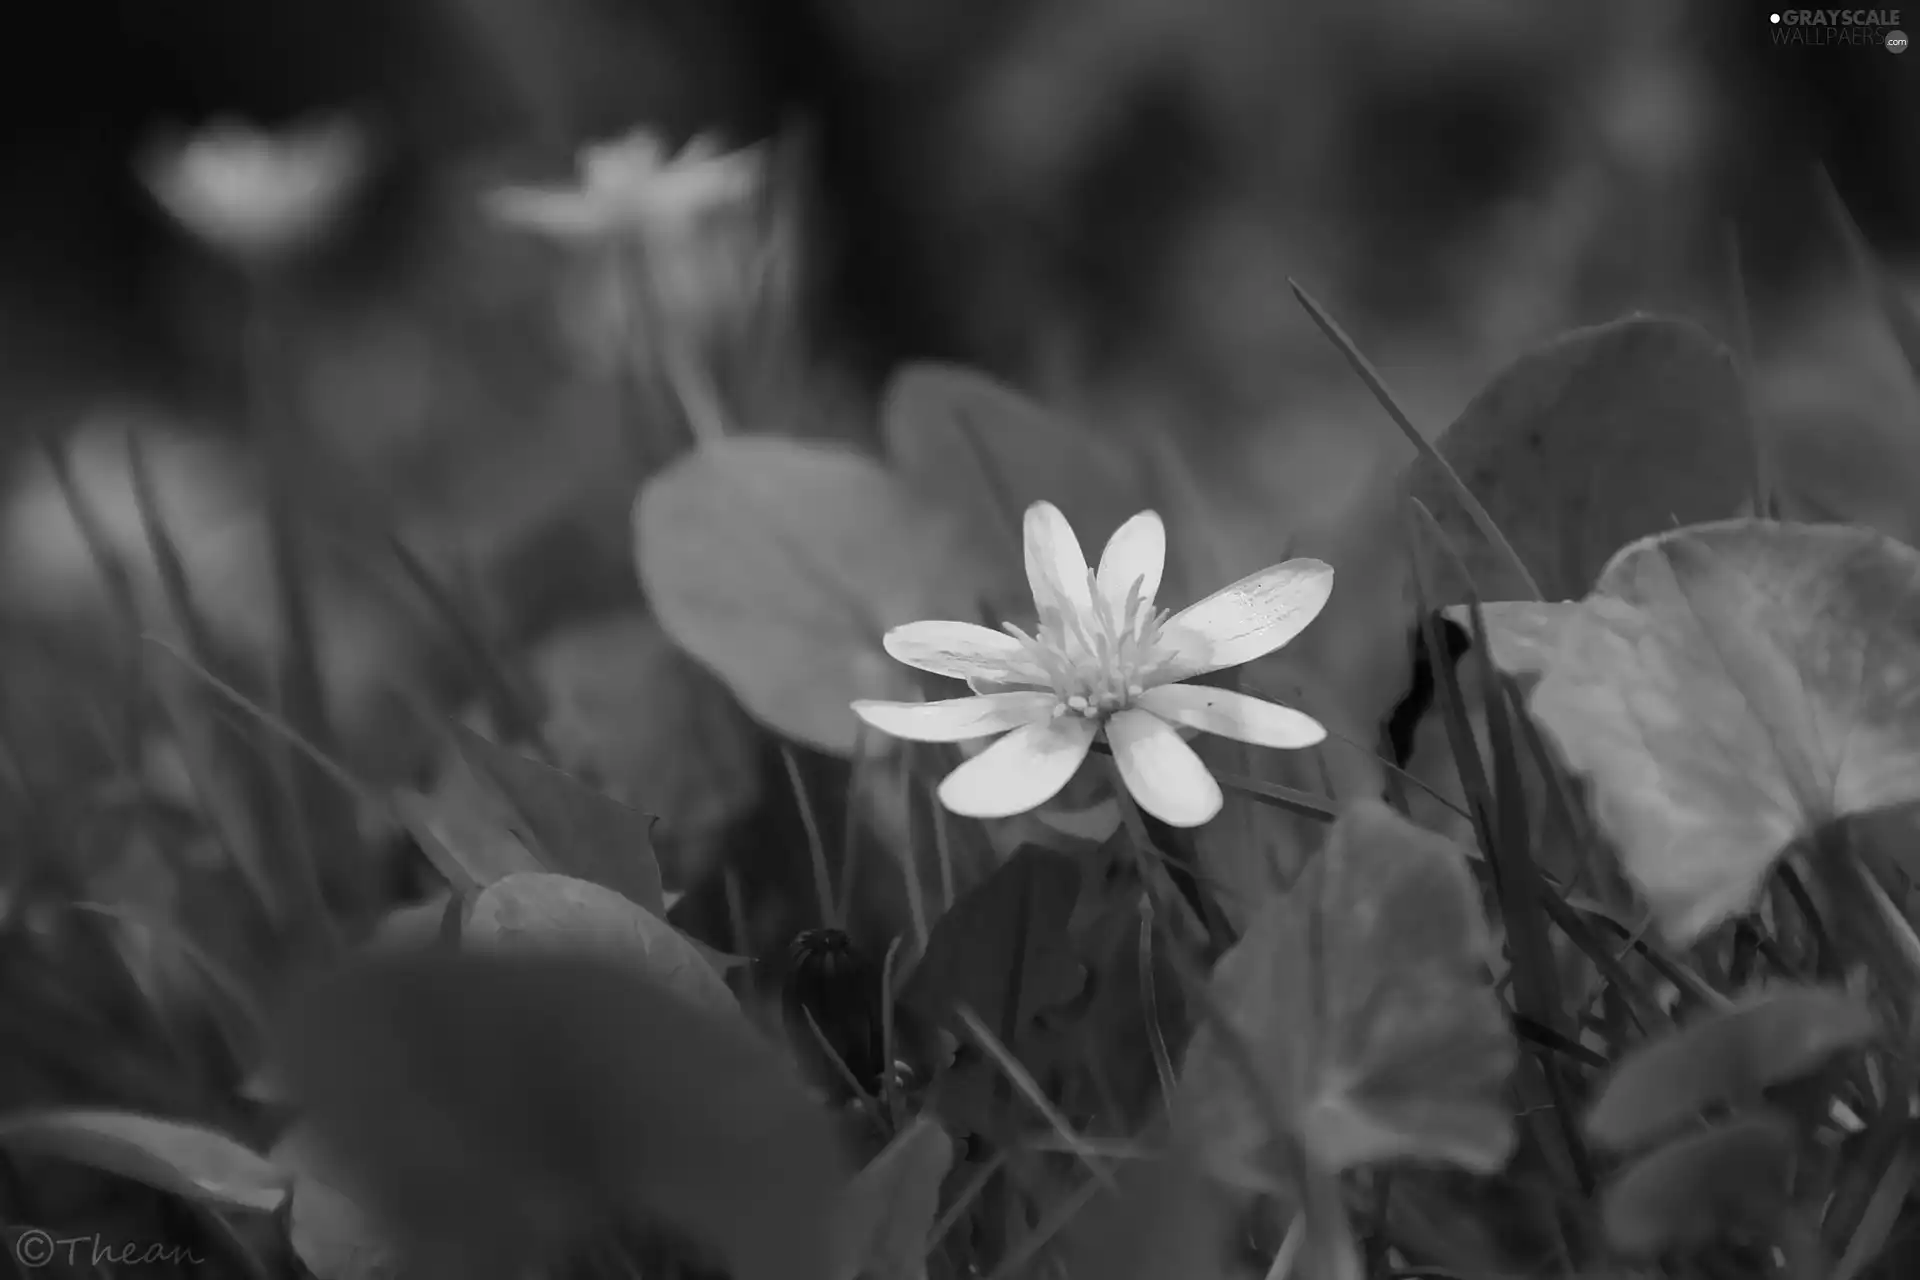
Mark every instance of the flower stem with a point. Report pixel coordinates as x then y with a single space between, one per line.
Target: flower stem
1151 863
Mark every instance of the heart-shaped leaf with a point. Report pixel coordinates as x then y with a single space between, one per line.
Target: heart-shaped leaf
887 1215
631 714
1726 1057
1602 436
778 565
187 1160
540 911
1004 940
1364 998
1686 1194
977 444
569 826
1727 689
489 1108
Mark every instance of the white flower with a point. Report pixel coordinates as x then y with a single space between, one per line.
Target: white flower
1102 661
254 193
632 184
700 247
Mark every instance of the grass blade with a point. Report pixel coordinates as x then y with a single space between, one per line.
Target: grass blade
1364 368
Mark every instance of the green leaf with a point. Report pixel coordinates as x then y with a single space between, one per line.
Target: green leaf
971 441
887 1214
184 1159
778 565
1363 996
540 911
1602 436
1003 941
630 714
1727 689
573 829
1727 1057
492 1108
1688 1193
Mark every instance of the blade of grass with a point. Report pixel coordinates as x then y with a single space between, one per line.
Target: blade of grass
299 689
1151 864
889 1079
1878 1220
1029 1089
943 850
510 701
1518 880
861 1098
1291 799
968 1195
736 911
218 976
1897 313
1741 319
1364 368
1521 892
909 861
198 741
1531 972
816 846
269 720
166 555
230 824
1056 1219
1150 1006
1877 1163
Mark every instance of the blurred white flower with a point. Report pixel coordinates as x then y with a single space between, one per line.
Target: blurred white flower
255 193
633 185
695 255
1103 661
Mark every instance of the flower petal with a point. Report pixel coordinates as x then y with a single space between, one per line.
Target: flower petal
960 650
1248 619
1233 715
1137 552
1022 771
1056 567
980 684
553 211
956 719
1161 771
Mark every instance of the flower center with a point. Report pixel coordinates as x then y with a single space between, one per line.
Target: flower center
1097 661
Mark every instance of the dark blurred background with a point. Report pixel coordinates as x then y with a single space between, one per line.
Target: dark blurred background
1001 175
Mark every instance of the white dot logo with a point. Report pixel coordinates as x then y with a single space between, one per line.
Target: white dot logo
1774 19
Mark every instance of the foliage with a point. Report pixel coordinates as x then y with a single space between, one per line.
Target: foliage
1645 1009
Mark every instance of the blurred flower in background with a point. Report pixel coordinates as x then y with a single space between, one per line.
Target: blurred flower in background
632 185
254 193
688 272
